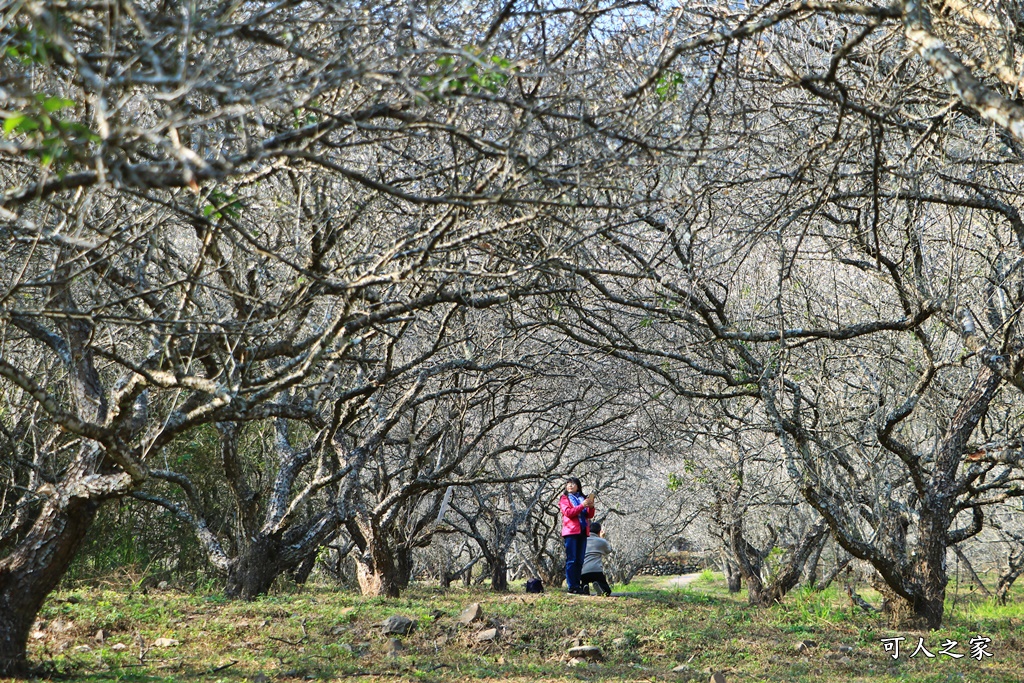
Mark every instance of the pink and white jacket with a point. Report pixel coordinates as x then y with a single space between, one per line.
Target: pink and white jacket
571 514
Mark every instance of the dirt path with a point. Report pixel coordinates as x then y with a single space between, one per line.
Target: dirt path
685 579
670 583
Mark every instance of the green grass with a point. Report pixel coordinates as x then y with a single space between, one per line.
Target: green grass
325 634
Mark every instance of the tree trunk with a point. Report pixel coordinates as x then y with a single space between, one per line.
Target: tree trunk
254 571
897 609
749 562
403 567
807 550
928 607
376 581
811 568
755 589
499 573
300 574
1007 578
832 575
919 601
913 584
733 577
376 571
32 570
928 575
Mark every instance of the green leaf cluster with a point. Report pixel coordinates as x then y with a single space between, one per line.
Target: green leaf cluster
666 88
27 45
456 76
221 204
52 139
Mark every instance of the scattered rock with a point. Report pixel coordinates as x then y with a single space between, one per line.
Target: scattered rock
580 638
621 643
805 645
471 614
337 630
83 648
397 624
591 652
845 661
833 656
489 634
682 669
393 647
577 662
100 636
261 678
846 649
37 635
166 642
717 677
117 647
162 586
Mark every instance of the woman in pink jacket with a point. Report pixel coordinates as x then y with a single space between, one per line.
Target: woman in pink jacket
576 509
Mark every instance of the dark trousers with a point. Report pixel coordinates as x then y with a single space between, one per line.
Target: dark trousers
575 551
598 578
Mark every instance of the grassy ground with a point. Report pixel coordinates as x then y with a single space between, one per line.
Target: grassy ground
645 633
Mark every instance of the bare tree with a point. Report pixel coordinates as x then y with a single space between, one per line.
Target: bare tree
492 516
211 204
788 250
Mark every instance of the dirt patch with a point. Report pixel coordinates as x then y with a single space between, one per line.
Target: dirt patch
684 580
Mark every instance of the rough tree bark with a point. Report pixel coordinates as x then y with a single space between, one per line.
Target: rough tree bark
255 570
1013 570
750 561
377 573
915 575
733 577
104 467
499 573
32 570
833 573
300 574
383 567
